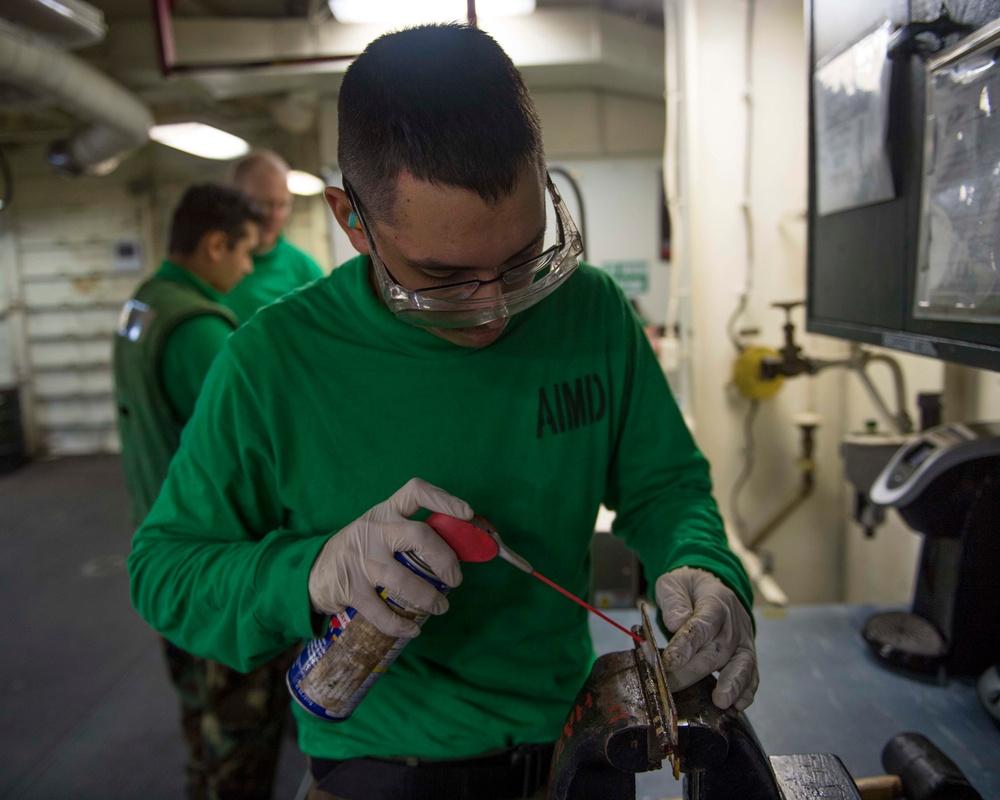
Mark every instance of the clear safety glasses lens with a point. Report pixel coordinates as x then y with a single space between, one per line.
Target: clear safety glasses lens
455 307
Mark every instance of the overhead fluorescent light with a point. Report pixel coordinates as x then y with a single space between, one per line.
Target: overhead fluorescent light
200 140
304 183
411 12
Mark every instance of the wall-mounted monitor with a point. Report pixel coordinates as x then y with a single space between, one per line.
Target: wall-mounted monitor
904 177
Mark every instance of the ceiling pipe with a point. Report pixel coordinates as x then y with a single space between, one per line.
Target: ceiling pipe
166 50
163 23
120 122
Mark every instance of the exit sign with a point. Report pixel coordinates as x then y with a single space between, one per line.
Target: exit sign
632 275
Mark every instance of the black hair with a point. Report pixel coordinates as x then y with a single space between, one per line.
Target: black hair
442 102
207 207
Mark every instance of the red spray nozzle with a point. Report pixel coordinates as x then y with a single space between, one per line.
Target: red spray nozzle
477 540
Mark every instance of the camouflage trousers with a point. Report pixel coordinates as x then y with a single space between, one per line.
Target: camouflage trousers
232 724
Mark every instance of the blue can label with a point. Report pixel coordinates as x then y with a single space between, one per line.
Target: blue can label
333 674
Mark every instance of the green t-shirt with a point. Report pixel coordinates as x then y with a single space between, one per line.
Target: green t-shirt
275 273
326 404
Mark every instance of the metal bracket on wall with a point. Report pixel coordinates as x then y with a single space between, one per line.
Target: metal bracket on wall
924 39
71 338
96 305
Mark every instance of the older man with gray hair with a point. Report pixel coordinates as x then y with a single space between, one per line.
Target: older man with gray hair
278 266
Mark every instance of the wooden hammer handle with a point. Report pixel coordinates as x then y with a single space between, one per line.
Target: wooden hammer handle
880 787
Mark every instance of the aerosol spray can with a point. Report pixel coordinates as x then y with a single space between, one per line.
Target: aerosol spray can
333 674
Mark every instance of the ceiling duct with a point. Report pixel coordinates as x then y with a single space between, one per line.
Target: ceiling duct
120 123
67 23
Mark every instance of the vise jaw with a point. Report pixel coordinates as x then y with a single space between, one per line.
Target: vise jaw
626 721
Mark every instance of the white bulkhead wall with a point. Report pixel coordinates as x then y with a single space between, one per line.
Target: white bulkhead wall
78 248
71 253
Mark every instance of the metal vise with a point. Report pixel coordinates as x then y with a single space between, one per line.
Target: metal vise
621 725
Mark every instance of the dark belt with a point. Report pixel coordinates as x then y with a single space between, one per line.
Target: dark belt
518 772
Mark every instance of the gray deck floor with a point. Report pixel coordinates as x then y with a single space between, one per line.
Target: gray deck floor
86 710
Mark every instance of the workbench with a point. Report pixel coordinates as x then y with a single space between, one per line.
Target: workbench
821 691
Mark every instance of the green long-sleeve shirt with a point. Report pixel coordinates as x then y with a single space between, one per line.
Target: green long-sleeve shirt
275 273
325 404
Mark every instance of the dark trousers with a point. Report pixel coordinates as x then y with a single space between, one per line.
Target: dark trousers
520 773
232 724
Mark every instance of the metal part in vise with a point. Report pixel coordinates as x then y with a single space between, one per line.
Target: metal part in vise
623 722
626 721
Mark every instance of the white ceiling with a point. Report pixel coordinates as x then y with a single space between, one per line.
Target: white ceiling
614 45
646 11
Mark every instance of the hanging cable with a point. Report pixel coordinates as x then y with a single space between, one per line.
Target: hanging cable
674 153
748 154
744 299
749 448
747 206
741 306
7 190
675 347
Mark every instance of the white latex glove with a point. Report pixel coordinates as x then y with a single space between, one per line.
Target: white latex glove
712 631
360 556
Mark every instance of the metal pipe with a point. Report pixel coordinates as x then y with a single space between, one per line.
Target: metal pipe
880 406
858 361
121 122
783 513
808 468
167 52
902 421
765 584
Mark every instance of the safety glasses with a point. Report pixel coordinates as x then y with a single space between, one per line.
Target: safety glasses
455 306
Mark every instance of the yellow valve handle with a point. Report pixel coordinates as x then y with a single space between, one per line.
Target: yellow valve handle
746 374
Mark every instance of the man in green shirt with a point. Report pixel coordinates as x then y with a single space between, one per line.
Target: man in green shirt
278 267
465 360
169 335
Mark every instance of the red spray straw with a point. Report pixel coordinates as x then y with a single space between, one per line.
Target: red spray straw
477 540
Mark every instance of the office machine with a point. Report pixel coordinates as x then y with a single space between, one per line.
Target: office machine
945 483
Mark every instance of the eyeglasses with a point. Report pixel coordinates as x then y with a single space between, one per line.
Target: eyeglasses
454 306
